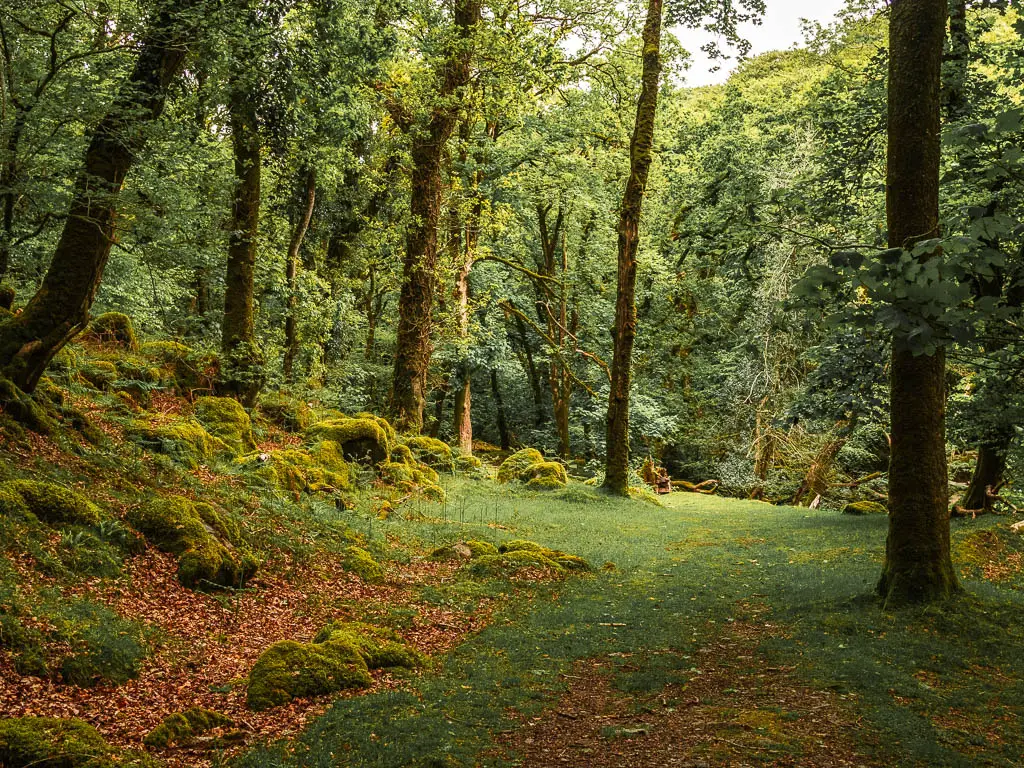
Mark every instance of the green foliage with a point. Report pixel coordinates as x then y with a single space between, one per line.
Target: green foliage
27 742
105 647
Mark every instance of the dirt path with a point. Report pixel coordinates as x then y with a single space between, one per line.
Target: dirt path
736 710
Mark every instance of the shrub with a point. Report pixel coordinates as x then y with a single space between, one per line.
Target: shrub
105 646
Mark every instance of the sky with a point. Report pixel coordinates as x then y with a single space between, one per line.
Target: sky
780 30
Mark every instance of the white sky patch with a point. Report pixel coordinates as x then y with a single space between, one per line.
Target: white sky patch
779 30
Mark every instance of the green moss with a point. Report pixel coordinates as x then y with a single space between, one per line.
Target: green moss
865 508
186 441
380 647
207 543
189 370
464 550
289 413
562 559
360 562
480 548
224 417
54 504
13 506
48 742
509 563
182 727
99 373
516 465
434 453
24 409
295 470
469 464
360 439
545 475
381 422
113 328
288 670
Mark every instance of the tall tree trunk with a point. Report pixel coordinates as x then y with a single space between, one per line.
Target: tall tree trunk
416 301
616 479
242 365
499 407
917 565
8 179
291 323
60 308
956 66
988 474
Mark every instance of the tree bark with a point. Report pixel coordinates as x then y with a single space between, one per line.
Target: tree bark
60 308
499 407
413 350
956 65
988 474
917 565
616 478
242 373
291 323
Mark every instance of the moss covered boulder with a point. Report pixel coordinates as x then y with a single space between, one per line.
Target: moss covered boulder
51 503
207 543
529 466
516 555
360 562
25 409
340 657
464 550
183 727
319 469
187 369
225 418
289 413
517 464
363 438
865 508
185 440
113 328
49 742
99 374
434 453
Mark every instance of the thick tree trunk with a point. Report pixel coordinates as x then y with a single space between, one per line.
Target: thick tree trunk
499 407
416 301
291 323
917 564
242 373
60 308
616 479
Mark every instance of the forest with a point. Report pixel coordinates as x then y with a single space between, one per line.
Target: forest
451 383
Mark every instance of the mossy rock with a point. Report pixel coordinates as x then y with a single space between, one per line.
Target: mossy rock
188 369
186 441
53 504
381 422
381 648
361 439
289 670
113 328
99 374
293 469
480 548
360 562
563 559
13 506
49 742
509 563
518 464
469 464
865 508
545 476
182 727
434 453
24 409
207 543
224 417
289 413
464 550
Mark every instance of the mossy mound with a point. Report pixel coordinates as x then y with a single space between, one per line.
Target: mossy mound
293 469
360 562
545 476
207 543
38 742
182 727
509 563
434 453
289 413
340 657
516 465
464 550
361 439
563 559
381 422
24 409
99 374
224 417
865 508
113 328
186 441
53 504
187 369
470 465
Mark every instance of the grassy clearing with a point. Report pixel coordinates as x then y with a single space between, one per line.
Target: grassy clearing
940 686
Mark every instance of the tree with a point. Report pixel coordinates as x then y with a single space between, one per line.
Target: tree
60 308
917 565
641 149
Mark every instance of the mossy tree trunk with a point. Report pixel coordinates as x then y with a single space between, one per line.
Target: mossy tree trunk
917 565
242 363
499 408
419 279
60 308
616 479
291 323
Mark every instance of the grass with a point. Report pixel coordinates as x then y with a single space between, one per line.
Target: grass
941 686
